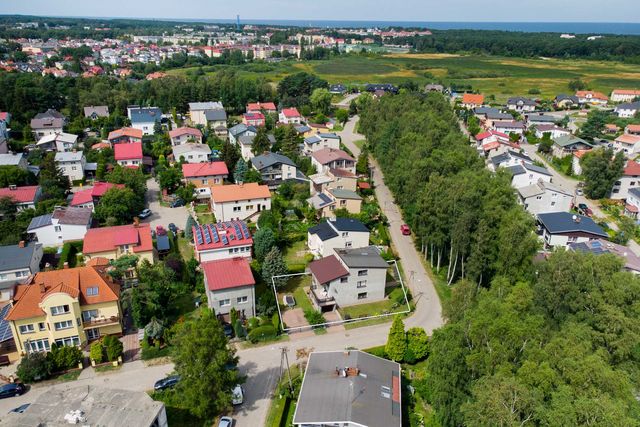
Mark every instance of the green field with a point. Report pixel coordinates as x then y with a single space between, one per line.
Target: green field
498 76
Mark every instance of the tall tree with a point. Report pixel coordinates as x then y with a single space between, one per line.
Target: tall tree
53 182
601 168
274 265
261 143
240 171
264 240
396 345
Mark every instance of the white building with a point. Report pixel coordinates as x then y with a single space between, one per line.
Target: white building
17 263
509 127
559 229
328 158
553 131
521 104
627 110
624 95
65 224
184 134
72 164
144 118
628 144
336 233
192 153
223 240
545 197
275 168
198 112
11 159
319 141
239 201
290 116
60 142
240 130
527 174
508 159
630 179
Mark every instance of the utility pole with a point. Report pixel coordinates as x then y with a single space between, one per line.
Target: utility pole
284 361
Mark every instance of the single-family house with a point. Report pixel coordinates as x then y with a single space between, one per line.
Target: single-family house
350 276
553 131
239 201
65 224
205 174
337 89
336 233
230 285
559 229
116 241
509 127
17 264
433 87
381 87
241 130
90 197
275 168
526 174
72 164
262 107
521 104
341 179
566 145
290 116
144 118
330 158
256 119
24 197
630 179
191 153
566 101
507 159
95 112
349 388
125 135
472 100
576 167
632 129
184 134
492 140
217 122
245 142
489 115
624 95
544 197
628 144
51 121
304 130
223 240
129 155
535 119
14 159
627 110
198 111
592 97
326 203
632 203
59 142
611 128
601 246
319 141
68 307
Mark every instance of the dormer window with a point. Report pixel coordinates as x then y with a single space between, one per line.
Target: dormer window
92 291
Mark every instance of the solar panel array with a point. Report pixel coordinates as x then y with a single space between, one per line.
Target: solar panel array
222 232
5 330
199 235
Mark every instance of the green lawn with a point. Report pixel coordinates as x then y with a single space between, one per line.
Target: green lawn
295 286
295 254
177 413
185 248
206 218
360 143
107 368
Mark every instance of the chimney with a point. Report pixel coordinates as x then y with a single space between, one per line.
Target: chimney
136 221
65 265
21 244
42 288
12 187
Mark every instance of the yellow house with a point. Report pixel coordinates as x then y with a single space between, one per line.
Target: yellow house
113 242
65 307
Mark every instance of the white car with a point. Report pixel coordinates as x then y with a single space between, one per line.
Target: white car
237 395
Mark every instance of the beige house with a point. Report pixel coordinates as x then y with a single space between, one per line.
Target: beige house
239 201
341 179
326 203
113 242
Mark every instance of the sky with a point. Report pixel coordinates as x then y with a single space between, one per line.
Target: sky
369 10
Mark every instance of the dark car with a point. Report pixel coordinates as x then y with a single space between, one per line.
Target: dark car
177 203
228 330
166 383
582 207
10 390
20 409
173 228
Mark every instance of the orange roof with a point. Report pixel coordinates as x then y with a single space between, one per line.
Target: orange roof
73 282
611 126
580 153
628 139
632 168
472 98
128 132
228 193
626 92
633 128
596 95
108 238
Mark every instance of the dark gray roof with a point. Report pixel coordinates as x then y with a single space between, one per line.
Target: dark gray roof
516 170
215 115
629 106
240 129
367 257
534 168
50 114
499 159
145 114
518 155
65 215
521 100
508 124
14 257
162 243
328 135
370 396
348 224
541 118
563 222
324 231
302 128
266 160
563 96
635 191
40 221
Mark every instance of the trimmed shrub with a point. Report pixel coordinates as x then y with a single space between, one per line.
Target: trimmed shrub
253 323
275 319
96 352
263 333
113 347
314 317
239 329
63 358
34 367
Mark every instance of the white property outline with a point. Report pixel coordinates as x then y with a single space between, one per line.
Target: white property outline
337 322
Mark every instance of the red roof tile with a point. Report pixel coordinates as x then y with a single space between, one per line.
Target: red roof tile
128 151
99 189
20 194
129 132
227 273
632 168
290 112
193 170
185 131
327 269
106 239
472 98
257 106
253 116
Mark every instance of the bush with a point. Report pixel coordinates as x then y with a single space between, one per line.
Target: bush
263 333
377 351
397 295
96 352
314 317
114 347
239 329
275 320
63 358
34 367
253 323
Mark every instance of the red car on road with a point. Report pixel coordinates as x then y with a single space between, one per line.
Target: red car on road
404 228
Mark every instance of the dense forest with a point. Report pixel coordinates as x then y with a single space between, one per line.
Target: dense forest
554 342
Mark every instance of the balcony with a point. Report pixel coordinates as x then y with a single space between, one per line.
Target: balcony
97 322
321 297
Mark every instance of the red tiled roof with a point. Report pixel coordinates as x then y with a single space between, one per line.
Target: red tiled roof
227 193
227 273
595 95
628 139
128 151
130 132
106 239
631 208
490 146
20 194
626 92
290 112
472 98
101 146
253 116
98 190
632 168
364 185
327 155
580 153
220 229
327 269
633 128
257 106
185 131
193 170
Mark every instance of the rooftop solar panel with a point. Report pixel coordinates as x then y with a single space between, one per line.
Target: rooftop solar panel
5 330
224 240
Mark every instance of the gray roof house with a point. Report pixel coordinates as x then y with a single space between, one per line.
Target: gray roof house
349 388
519 103
568 144
10 159
239 130
51 121
600 246
276 168
63 225
559 229
144 118
94 112
17 263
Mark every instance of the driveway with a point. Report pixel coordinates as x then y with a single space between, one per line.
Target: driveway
162 215
294 318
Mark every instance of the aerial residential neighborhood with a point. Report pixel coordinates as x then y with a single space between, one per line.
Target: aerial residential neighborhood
319 222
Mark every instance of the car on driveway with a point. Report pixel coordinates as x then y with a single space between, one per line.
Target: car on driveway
228 330
226 422
177 203
289 300
165 383
237 395
173 228
11 390
144 214
405 230
584 209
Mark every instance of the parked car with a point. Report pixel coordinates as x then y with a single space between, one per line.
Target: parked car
579 192
11 390
582 207
144 214
173 228
237 395
226 422
289 300
165 383
160 231
20 409
177 203
404 228
228 330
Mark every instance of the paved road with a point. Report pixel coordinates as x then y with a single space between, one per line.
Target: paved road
346 101
162 215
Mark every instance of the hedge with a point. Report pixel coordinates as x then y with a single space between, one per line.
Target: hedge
263 333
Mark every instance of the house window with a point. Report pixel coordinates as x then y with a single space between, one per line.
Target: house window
343 202
68 341
60 309
361 284
345 234
242 300
92 291
348 244
3 277
93 334
231 251
249 207
362 295
42 326
73 168
33 346
225 302
553 203
363 272
57 228
632 183
89 315
344 279
27 329
237 208
66 324
205 181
